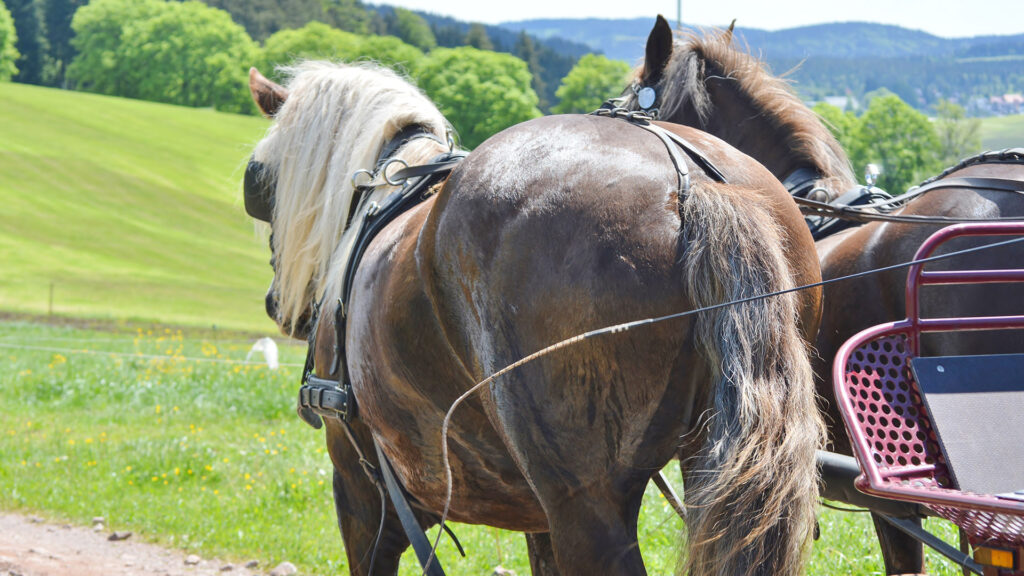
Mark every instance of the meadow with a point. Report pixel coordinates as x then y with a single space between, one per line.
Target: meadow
998 132
109 200
170 434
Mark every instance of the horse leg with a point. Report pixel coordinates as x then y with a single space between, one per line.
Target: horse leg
542 555
902 554
594 529
357 502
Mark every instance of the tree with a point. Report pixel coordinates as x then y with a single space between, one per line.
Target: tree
413 29
590 82
262 18
959 136
99 27
391 52
30 44
314 40
526 51
8 41
319 41
845 126
348 15
901 140
181 53
57 15
477 37
480 92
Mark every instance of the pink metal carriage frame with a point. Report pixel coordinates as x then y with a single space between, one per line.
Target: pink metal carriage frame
893 438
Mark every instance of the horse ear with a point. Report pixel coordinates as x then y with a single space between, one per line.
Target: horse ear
728 33
269 96
659 50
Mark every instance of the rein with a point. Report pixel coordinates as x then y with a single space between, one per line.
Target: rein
797 182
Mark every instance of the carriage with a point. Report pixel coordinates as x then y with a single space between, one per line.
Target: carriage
937 436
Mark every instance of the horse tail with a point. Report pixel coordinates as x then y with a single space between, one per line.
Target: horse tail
751 491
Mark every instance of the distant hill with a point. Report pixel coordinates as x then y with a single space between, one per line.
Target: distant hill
850 58
624 39
130 209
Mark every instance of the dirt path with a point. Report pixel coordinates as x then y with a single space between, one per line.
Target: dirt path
30 547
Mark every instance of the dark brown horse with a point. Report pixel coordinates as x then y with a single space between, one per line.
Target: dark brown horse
707 83
552 228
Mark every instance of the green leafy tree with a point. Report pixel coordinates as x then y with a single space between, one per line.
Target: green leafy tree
99 27
481 92
262 18
313 41
30 42
319 41
413 29
959 136
348 15
477 37
181 53
390 52
901 140
57 15
590 82
8 40
845 126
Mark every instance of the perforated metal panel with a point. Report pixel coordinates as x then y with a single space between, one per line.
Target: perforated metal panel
886 411
891 414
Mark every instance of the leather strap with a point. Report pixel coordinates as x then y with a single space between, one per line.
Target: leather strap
417 537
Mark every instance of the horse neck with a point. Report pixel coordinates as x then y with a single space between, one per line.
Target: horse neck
752 131
779 144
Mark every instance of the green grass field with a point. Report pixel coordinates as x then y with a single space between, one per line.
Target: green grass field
129 209
1000 132
163 434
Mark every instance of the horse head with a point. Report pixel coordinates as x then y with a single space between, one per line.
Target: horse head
330 122
706 82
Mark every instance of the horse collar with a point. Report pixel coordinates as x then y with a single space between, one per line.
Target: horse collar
800 182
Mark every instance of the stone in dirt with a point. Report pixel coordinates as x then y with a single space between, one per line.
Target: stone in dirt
118 536
192 560
284 569
227 568
252 564
99 520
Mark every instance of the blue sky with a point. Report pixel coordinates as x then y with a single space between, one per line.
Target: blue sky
946 18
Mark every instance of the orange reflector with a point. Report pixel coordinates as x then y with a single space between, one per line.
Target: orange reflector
994 557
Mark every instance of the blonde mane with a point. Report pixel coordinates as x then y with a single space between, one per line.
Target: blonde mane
699 56
336 119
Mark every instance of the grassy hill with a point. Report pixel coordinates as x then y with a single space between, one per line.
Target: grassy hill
130 209
998 132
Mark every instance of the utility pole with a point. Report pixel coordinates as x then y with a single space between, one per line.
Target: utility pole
679 15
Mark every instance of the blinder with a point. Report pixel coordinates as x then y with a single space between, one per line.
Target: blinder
258 189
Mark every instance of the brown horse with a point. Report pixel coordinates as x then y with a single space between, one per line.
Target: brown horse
707 83
551 228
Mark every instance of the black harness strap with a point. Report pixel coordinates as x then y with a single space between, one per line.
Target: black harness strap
333 398
431 564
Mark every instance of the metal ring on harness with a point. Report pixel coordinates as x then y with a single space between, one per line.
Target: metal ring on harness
356 175
384 171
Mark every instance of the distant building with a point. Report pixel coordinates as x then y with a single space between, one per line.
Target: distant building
1007 104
